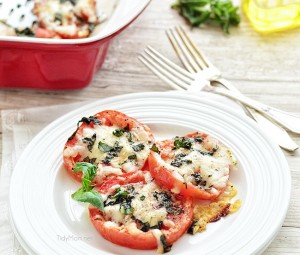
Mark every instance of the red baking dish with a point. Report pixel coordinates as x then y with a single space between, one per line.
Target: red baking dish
62 63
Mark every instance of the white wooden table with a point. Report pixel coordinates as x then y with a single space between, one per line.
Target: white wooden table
264 67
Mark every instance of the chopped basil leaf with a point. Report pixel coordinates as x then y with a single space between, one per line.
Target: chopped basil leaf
104 147
118 132
132 157
126 209
89 160
130 137
188 161
198 180
112 151
58 17
91 119
164 199
208 153
120 193
138 147
145 226
178 161
142 198
155 148
117 147
198 139
122 197
25 32
122 163
167 247
90 141
182 142
109 157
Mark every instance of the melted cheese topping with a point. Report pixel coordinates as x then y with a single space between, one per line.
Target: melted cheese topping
65 18
157 234
122 160
212 166
145 209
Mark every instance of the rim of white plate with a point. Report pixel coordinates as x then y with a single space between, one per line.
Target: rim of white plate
251 229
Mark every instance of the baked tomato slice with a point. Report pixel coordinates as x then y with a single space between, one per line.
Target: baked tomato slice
195 165
111 140
140 214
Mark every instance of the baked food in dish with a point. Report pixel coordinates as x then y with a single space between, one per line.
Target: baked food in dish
67 19
195 165
140 214
148 206
113 141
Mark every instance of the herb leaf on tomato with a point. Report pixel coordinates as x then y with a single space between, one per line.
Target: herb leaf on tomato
86 193
155 148
118 132
104 147
182 142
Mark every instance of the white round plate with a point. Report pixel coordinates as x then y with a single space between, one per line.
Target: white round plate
47 221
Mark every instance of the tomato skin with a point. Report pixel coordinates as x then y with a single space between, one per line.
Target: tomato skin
165 178
108 118
69 163
141 240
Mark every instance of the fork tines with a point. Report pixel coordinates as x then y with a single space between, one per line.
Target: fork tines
190 55
165 69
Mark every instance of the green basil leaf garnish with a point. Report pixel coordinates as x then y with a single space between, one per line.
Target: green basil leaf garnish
92 196
86 192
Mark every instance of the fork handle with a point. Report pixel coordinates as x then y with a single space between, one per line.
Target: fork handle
276 132
286 119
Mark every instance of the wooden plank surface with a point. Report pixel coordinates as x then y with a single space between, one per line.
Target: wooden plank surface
264 67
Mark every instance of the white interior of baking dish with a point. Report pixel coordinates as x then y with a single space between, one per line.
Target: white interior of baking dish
119 13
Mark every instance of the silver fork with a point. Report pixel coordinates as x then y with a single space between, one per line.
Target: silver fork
181 79
195 62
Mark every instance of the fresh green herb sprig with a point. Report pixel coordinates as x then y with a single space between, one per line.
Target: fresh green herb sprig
197 12
86 192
